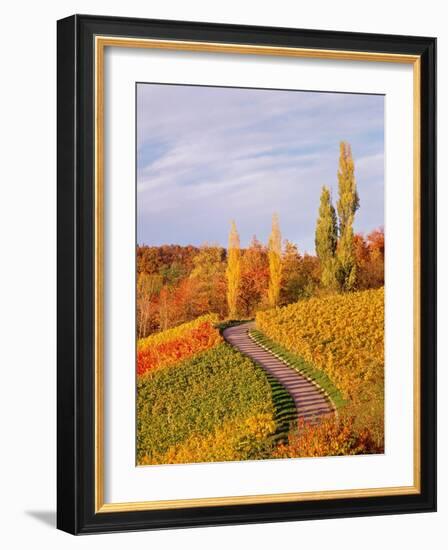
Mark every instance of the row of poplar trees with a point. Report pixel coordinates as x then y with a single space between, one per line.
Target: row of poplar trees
334 231
233 266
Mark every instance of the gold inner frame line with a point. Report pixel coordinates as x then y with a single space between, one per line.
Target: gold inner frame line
101 42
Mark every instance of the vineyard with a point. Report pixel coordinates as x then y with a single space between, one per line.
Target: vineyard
171 346
201 400
217 405
341 335
259 347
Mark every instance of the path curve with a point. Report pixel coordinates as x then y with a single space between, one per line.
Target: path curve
311 404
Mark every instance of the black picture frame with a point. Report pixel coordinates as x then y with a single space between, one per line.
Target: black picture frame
76 273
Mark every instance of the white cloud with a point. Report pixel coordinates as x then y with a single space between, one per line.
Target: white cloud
232 153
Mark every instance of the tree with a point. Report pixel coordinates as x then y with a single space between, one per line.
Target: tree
254 278
275 262
346 259
210 281
347 206
291 275
375 241
233 271
369 253
164 309
310 274
348 202
326 239
148 288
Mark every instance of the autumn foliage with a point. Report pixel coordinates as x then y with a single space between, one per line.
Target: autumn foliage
369 252
343 336
275 262
330 437
242 439
233 271
171 346
200 400
216 405
175 284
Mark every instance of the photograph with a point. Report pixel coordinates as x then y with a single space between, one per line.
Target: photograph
259 284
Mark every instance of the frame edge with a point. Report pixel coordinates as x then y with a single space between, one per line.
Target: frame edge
74 516
66 517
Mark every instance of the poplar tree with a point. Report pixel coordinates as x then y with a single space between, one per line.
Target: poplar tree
233 271
347 206
326 239
348 202
275 262
346 258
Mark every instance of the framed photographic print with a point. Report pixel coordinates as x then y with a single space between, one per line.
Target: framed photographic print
246 274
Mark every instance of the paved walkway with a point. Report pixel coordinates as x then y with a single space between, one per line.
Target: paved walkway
309 401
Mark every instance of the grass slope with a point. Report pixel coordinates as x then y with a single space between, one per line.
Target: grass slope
218 405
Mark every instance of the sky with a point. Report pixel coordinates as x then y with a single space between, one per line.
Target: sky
209 155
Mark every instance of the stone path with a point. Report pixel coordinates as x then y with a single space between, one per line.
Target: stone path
311 404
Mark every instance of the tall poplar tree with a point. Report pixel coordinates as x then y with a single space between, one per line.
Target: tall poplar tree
233 271
346 258
347 206
275 262
326 239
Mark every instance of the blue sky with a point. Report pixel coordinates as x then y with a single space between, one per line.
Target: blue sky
208 155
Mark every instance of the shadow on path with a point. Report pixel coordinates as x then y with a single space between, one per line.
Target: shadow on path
309 402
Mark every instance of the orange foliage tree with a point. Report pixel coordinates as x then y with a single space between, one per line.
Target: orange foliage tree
254 278
370 259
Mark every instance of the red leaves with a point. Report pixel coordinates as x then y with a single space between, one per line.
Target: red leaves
161 354
330 437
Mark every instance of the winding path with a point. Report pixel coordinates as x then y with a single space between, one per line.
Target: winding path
310 403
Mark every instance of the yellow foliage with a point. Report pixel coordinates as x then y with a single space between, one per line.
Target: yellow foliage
177 332
275 262
233 271
342 335
240 439
330 437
